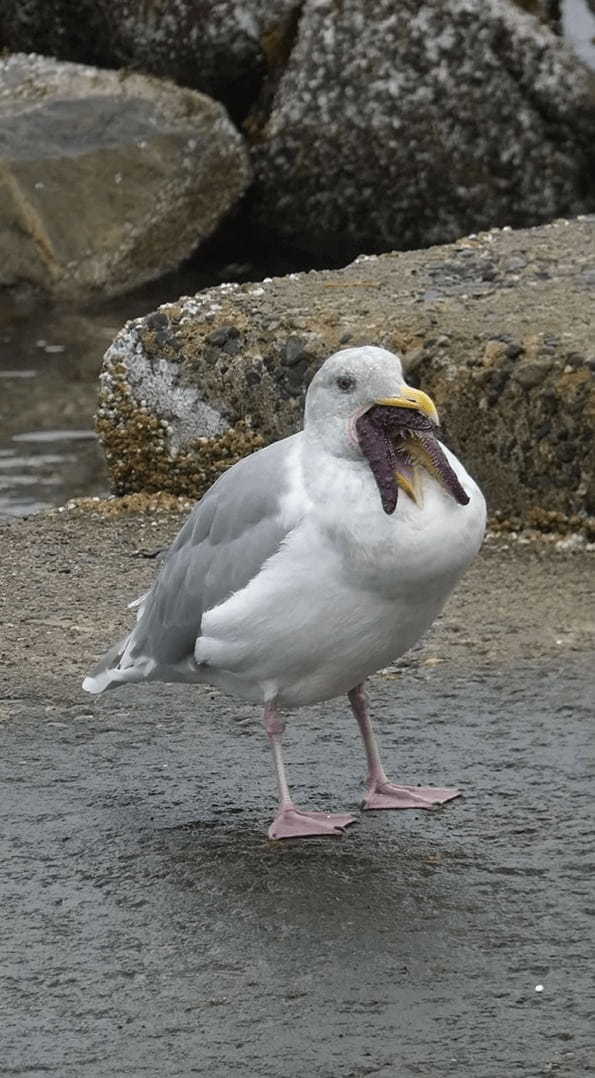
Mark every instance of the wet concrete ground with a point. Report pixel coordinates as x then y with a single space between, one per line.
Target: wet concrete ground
149 927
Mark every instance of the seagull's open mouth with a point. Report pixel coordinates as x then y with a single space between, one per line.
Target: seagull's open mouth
397 442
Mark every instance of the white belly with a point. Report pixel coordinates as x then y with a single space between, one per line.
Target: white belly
337 603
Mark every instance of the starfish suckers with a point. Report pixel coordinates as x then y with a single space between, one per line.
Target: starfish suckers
397 442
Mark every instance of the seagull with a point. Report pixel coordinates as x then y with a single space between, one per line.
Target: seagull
312 564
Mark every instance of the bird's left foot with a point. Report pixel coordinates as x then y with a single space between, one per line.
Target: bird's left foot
292 822
387 795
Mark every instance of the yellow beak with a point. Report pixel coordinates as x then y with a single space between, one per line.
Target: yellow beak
413 398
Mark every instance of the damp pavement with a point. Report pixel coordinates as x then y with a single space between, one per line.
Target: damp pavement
149 928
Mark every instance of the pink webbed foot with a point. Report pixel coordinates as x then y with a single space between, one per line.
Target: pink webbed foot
387 795
292 822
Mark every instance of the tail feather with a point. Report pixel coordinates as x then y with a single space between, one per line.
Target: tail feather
108 673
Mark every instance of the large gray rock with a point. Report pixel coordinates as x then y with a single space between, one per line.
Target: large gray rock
403 125
106 179
498 327
224 48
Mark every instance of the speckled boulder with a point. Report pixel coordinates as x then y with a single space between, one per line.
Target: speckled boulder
403 125
223 48
107 180
498 327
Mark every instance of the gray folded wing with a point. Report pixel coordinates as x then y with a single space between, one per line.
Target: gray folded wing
226 540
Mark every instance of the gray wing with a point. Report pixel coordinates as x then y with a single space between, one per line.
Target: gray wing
226 540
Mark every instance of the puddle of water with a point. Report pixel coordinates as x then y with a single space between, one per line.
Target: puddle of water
54 436
32 479
29 481
8 461
48 448
13 507
18 374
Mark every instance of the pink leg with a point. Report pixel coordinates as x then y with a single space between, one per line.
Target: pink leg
383 794
291 822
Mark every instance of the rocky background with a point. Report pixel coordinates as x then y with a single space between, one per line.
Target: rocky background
134 135
499 327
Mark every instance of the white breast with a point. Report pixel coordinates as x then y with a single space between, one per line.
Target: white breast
351 589
415 543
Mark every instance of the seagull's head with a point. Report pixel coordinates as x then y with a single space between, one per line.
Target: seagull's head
359 405
350 383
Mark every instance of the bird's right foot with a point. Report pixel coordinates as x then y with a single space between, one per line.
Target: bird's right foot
292 822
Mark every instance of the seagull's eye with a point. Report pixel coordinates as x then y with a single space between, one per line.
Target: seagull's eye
346 383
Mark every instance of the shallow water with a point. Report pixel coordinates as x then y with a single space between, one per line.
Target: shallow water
48 376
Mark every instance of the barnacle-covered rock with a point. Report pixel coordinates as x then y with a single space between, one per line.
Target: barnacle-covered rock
497 327
397 125
223 48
